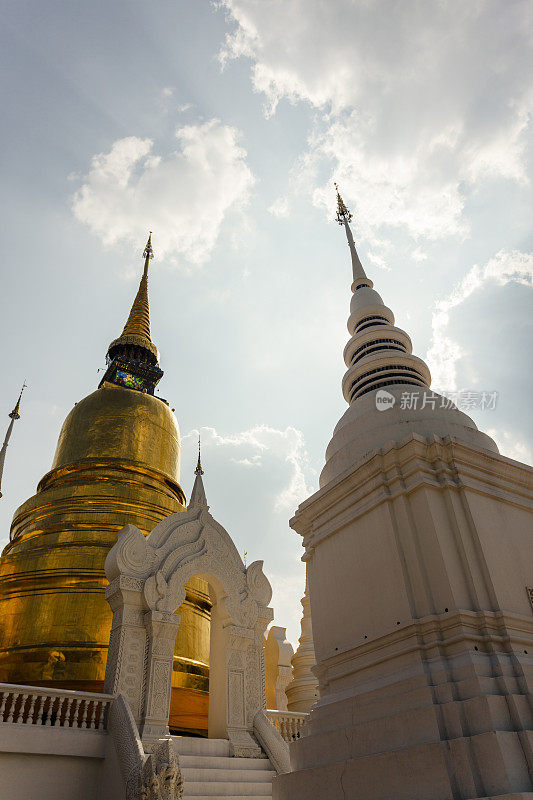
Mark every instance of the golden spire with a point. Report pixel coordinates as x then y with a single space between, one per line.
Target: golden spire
137 328
138 323
343 215
148 252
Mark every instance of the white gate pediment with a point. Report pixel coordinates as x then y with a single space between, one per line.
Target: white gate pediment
147 577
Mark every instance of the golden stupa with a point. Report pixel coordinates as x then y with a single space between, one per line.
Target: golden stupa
117 461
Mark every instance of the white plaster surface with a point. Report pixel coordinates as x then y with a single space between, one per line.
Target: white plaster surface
363 429
426 667
49 763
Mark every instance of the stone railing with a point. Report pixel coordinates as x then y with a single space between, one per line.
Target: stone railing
35 705
288 723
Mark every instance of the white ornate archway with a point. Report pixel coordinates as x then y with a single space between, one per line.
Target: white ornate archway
147 577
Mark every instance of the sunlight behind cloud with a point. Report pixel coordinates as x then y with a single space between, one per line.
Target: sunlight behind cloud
132 188
393 86
444 352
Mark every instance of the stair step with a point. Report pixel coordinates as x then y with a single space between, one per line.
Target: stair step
222 762
209 772
228 789
232 775
189 745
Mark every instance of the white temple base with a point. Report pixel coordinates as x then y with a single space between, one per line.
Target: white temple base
426 667
427 735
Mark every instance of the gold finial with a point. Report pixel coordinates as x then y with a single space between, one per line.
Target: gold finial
15 413
343 215
137 328
244 558
148 251
199 470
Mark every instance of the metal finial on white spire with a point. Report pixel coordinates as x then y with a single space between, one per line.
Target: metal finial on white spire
199 470
344 217
198 497
14 416
378 354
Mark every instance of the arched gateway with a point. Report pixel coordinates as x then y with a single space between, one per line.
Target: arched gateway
147 577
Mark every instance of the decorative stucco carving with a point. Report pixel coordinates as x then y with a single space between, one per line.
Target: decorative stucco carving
258 584
125 662
147 581
255 694
130 556
128 747
160 777
272 742
133 616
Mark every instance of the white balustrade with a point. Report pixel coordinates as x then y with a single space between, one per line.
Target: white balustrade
288 723
53 707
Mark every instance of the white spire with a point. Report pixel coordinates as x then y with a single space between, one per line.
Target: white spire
14 416
378 354
344 217
198 497
385 385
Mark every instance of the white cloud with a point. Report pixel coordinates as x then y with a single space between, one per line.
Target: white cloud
415 103
395 190
510 446
280 207
444 352
283 449
419 255
254 461
183 196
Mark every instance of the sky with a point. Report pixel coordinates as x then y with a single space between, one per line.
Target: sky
221 127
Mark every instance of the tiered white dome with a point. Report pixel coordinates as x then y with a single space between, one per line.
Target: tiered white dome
379 356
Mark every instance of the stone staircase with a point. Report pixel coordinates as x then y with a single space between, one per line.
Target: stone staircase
210 773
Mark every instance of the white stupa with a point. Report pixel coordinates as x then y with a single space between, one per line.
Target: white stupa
419 555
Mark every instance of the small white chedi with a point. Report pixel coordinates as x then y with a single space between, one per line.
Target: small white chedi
424 532
302 691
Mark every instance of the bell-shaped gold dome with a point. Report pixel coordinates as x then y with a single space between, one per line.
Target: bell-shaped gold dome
118 423
117 461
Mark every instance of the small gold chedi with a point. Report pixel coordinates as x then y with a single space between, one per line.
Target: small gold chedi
116 462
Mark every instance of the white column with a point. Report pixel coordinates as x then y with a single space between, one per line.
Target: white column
125 656
161 630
